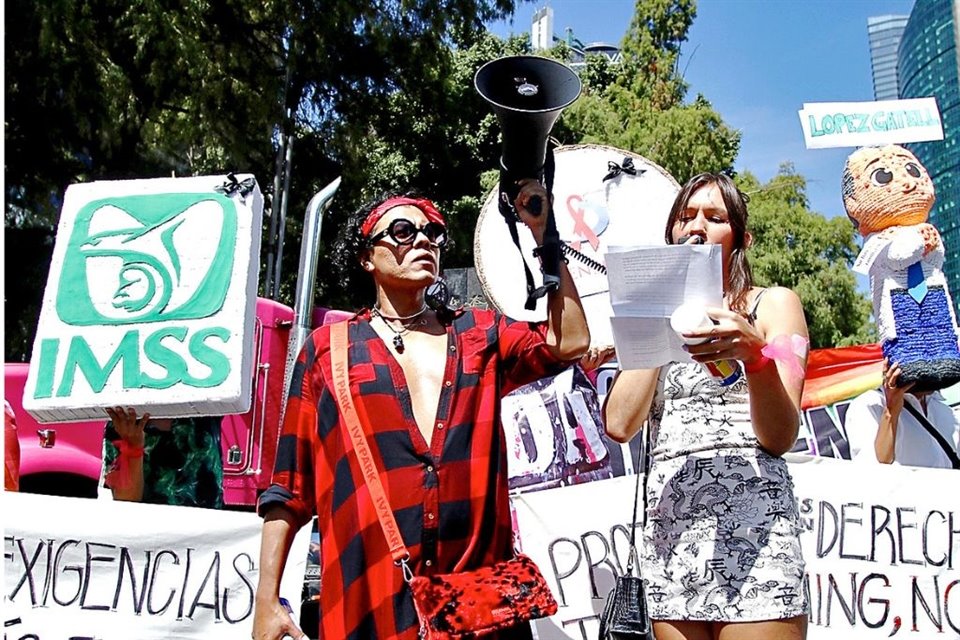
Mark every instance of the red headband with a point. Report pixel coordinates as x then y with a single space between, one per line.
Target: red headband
428 208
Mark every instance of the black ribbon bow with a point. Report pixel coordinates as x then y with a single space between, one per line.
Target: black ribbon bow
614 169
232 185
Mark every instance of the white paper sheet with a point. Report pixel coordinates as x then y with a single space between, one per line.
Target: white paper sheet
646 285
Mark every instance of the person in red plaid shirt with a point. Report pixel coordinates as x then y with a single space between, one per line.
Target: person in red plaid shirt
431 386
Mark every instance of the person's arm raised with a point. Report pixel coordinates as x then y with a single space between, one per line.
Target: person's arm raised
885 444
126 480
568 336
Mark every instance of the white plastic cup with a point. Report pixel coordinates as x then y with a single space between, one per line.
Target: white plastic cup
692 316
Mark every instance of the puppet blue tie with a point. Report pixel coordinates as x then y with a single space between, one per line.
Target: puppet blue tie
916 285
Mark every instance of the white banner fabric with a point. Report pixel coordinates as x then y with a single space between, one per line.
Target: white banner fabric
881 543
83 569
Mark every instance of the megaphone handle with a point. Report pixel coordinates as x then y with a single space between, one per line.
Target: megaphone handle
549 253
509 192
535 205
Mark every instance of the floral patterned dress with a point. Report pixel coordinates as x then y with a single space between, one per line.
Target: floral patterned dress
721 540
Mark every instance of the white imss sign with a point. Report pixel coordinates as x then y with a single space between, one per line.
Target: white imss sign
150 300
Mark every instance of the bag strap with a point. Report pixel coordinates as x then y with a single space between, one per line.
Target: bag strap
641 462
936 435
341 388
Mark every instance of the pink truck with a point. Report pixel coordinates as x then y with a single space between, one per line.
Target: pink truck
65 458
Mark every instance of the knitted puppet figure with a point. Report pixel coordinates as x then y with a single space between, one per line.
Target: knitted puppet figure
888 194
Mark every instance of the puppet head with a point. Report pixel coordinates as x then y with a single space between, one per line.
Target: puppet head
885 187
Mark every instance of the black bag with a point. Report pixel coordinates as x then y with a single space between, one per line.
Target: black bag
625 615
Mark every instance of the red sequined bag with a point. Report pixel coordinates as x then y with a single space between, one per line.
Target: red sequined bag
450 606
475 603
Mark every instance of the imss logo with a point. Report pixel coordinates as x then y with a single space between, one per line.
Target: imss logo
148 258
131 260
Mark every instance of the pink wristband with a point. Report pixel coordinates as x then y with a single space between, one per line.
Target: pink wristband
757 365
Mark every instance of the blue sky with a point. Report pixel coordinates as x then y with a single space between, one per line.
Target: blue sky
757 62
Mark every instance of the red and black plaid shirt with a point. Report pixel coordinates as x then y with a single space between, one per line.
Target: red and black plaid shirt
449 499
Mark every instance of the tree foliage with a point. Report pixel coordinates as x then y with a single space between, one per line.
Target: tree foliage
638 102
380 93
651 49
101 89
105 90
800 249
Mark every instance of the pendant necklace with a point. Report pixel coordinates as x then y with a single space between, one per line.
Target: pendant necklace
398 333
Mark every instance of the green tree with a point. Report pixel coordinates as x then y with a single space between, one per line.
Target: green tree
378 93
800 249
650 51
107 90
104 90
638 102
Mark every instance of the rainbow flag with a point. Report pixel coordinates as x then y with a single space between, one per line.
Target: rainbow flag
840 373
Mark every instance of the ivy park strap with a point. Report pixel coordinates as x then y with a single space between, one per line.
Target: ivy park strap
341 387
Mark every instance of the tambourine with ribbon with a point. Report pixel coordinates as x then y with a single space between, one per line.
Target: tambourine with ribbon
593 210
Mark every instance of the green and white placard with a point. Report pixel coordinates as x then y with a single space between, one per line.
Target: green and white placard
150 300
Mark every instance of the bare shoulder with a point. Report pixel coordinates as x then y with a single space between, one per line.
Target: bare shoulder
776 298
780 311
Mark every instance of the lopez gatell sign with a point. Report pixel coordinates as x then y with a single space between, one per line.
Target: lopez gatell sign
854 124
150 300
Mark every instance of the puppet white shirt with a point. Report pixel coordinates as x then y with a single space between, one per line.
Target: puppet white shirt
885 257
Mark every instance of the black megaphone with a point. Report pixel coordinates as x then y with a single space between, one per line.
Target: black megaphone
527 94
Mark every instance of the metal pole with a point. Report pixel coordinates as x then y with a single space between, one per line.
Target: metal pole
307 280
275 201
283 216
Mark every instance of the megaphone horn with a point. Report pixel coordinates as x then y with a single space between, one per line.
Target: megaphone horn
527 93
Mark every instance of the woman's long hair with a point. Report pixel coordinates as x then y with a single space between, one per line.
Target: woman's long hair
739 276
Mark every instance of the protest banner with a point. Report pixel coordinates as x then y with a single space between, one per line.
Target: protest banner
82 569
854 124
882 553
554 434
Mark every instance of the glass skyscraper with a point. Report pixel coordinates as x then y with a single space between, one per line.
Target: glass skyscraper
929 66
884 33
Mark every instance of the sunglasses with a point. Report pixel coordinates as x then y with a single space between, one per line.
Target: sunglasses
403 231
